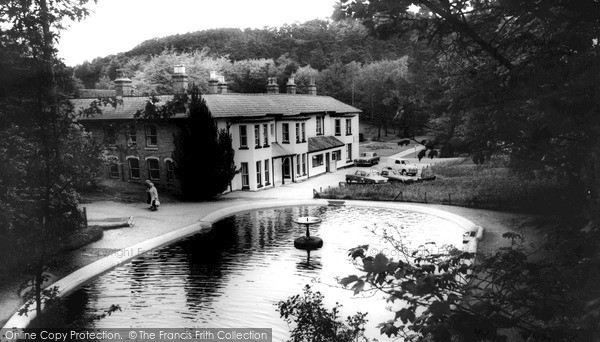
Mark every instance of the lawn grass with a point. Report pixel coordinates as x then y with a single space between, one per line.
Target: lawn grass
462 183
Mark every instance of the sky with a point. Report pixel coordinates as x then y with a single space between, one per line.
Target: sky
119 25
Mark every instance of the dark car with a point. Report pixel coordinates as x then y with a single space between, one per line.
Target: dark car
367 158
361 176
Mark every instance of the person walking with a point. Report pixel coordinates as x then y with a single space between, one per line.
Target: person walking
152 195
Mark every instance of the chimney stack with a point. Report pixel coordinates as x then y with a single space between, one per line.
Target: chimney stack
291 86
222 85
123 84
312 87
179 79
272 87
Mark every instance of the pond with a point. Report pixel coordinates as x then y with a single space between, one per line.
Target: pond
233 275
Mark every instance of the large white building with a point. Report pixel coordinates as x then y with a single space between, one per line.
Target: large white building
277 138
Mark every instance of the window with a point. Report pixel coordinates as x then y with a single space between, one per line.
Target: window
243 137
304 132
134 168
336 155
319 125
285 128
153 168
297 132
170 167
113 167
349 152
317 160
131 136
245 176
266 134
257 136
298 165
272 129
151 136
348 126
110 135
304 164
267 176
258 173
338 127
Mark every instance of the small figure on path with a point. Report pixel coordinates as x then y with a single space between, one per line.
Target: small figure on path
152 195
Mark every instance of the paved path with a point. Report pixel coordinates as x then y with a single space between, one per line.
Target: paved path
173 216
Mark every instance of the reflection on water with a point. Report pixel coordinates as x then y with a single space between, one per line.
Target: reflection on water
233 275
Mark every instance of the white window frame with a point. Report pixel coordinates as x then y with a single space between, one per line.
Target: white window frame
266 135
256 136
317 160
285 133
245 173
243 136
259 173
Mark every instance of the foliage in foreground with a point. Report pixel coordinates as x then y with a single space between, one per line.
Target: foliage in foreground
445 296
315 323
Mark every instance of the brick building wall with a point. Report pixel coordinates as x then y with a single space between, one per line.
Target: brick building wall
137 151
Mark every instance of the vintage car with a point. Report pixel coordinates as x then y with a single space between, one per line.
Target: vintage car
367 158
401 165
395 176
361 176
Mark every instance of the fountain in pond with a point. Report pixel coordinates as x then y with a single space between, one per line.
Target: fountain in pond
308 242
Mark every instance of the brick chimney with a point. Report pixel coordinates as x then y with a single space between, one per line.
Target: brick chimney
312 87
179 79
290 87
123 84
272 87
222 85
213 83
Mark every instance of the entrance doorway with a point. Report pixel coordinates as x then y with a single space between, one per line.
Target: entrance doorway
327 162
287 168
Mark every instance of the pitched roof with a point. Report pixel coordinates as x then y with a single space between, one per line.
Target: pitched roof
248 105
233 105
323 142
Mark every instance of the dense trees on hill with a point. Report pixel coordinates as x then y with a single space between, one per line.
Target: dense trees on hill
346 62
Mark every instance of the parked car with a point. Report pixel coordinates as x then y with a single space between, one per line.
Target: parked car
395 176
361 176
401 165
367 158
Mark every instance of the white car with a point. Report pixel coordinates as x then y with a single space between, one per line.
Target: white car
403 166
